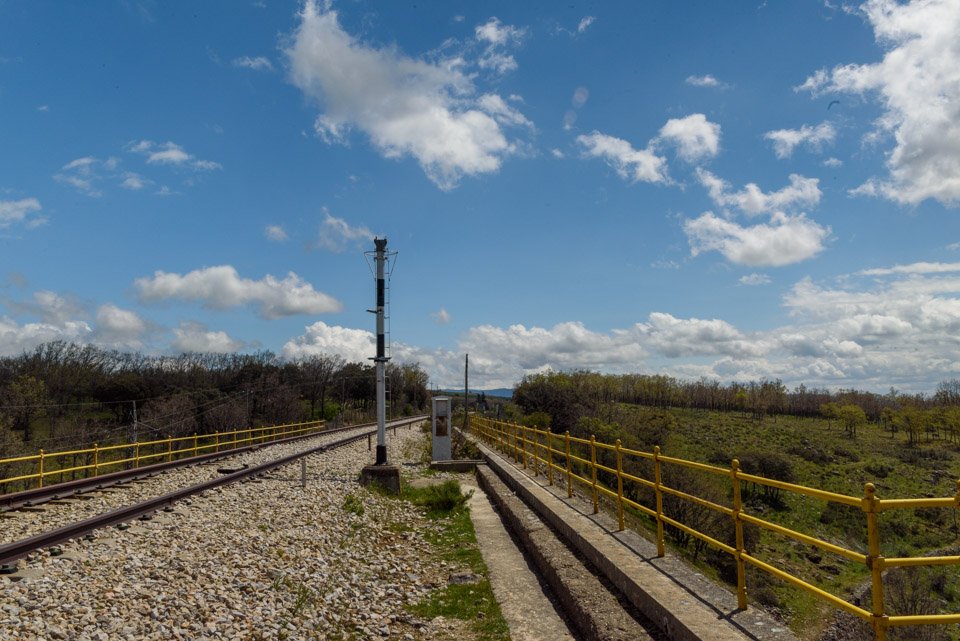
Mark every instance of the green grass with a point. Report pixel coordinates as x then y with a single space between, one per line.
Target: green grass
353 505
439 500
821 456
456 543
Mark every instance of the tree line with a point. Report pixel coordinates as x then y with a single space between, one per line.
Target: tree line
62 395
567 396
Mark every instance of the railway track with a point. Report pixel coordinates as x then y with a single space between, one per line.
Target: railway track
90 504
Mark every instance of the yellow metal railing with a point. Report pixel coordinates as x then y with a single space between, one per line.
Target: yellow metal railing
36 469
539 450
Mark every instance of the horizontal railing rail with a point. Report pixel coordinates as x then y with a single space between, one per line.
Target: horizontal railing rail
576 460
38 469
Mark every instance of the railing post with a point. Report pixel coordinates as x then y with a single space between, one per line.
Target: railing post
216 436
657 484
738 529
195 444
40 469
523 445
593 472
569 472
136 454
620 485
535 448
874 561
169 448
517 443
96 460
549 457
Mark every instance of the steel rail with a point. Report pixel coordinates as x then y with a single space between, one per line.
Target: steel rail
19 549
38 496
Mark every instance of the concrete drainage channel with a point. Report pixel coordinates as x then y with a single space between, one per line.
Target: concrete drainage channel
593 608
609 584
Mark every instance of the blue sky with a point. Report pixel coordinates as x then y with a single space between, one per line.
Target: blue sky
728 190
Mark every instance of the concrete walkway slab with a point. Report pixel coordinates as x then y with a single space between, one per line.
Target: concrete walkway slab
526 608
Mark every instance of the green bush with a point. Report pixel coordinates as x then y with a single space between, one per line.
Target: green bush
443 499
331 411
539 420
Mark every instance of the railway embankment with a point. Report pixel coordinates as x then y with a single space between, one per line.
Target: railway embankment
263 559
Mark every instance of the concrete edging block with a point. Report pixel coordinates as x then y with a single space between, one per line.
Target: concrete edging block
677 609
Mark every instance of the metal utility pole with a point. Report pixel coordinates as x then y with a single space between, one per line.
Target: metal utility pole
381 357
466 394
135 424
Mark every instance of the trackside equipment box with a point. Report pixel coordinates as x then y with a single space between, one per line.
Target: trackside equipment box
441 428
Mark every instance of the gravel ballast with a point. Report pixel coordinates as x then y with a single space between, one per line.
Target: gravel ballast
17 525
258 560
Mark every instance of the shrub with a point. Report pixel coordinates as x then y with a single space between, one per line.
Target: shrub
539 420
879 470
843 452
693 515
463 448
771 465
810 453
916 591
440 500
848 520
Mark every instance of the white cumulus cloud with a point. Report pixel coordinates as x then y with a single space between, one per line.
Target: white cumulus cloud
354 345
119 328
801 192
20 212
503 113
754 279
407 107
900 331
134 181
675 337
275 233
637 165
16 338
498 38
784 240
222 287
170 153
786 140
913 268
918 84
695 137
336 234
52 307
703 81
259 63
564 346
192 337
83 174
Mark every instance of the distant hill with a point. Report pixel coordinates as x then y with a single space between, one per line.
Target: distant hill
500 392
